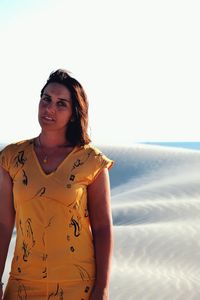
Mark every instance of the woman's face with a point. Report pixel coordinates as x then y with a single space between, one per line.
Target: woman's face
55 107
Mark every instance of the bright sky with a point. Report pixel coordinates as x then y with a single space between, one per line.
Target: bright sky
139 62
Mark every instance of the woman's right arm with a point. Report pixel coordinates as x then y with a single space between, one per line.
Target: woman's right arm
7 217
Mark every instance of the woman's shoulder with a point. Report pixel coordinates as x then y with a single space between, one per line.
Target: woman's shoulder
12 153
95 153
93 161
15 147
91 149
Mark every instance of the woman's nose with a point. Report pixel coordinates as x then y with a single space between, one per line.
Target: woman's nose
51 107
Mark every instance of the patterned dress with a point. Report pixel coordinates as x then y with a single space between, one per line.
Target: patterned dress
54 252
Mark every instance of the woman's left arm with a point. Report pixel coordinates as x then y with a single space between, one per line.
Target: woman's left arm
99 206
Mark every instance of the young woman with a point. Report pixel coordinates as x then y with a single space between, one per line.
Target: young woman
55 189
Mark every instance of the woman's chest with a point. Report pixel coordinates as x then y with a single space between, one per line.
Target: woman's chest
50 161
64 185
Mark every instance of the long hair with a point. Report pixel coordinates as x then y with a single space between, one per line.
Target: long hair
77 129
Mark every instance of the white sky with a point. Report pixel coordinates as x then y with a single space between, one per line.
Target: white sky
139 62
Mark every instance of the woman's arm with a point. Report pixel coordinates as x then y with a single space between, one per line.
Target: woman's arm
99 206
7 217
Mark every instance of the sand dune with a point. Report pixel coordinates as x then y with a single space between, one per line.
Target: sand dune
157 226
156 215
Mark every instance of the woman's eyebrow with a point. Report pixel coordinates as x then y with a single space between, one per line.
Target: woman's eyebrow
63 99
45 94
66 100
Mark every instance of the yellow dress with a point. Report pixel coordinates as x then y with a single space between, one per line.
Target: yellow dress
54 253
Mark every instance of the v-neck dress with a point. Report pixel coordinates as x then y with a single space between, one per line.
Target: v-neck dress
54 243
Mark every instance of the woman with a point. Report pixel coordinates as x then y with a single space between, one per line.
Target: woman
55 187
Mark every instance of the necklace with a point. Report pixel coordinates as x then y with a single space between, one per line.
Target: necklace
45 159
45 156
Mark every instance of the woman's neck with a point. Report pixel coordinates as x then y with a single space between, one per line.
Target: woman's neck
51 140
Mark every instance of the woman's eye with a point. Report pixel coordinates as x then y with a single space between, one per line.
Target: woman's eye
46 99
61 104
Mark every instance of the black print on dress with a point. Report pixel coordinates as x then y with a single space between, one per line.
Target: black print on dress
44 256
44 273
22 294
20 159
25 178
72 177
76 225
83 273
58 294
26 251
19 268
29 241
72 249
29 231
77 164
20 225
43 238
40 192
87 288
49 223
89 153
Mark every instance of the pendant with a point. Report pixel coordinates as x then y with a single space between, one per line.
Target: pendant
45 160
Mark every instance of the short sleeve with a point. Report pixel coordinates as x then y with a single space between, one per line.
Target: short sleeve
96 163
5 157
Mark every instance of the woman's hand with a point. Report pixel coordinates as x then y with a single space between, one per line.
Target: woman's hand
99 294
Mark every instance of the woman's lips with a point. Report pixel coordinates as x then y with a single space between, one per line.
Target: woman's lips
48 118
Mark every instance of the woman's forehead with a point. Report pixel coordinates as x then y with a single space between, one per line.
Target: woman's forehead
57 89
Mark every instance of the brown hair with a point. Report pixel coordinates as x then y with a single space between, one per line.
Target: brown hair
76 132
